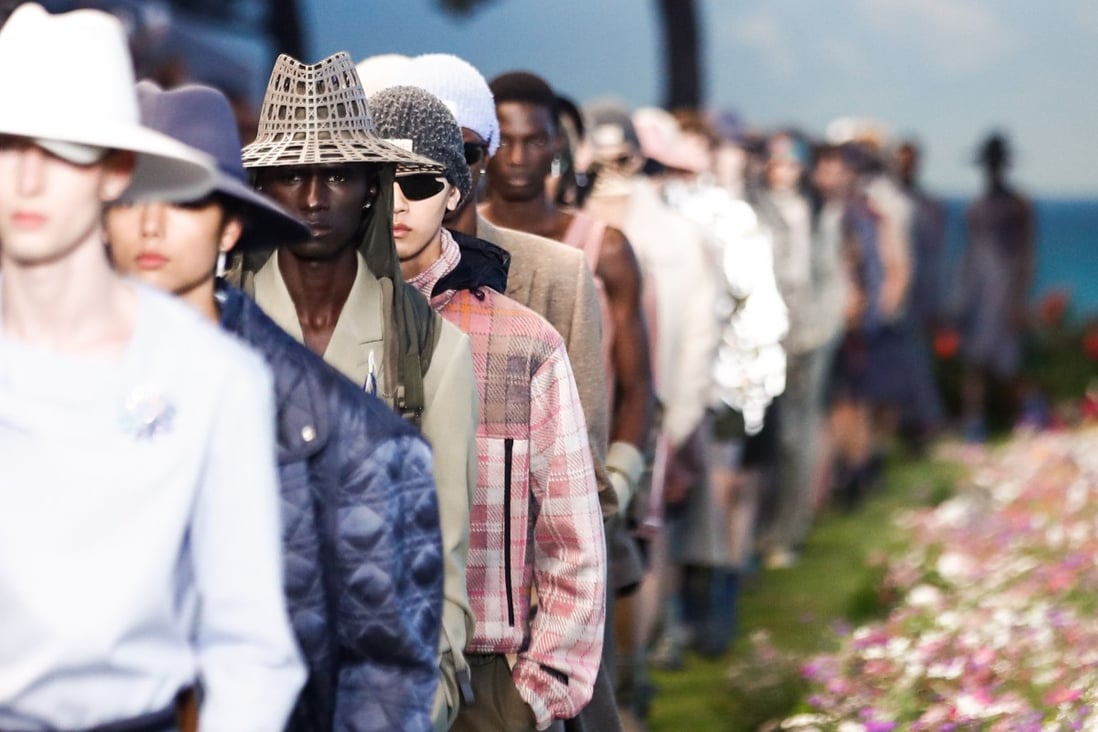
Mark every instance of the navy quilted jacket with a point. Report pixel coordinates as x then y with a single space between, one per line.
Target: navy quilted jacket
363 553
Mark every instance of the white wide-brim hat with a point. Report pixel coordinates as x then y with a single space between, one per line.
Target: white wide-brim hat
67 83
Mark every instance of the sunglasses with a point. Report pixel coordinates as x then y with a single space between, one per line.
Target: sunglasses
619 161
421 186
475 152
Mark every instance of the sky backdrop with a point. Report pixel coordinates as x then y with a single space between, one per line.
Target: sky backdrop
944 71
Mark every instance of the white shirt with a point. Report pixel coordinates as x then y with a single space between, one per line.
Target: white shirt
139 532
749 370
675 258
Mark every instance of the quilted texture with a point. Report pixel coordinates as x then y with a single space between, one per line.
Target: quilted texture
363 553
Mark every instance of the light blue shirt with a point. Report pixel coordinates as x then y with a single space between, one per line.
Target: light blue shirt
139 532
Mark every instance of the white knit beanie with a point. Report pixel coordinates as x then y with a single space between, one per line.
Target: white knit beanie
461 88
382 71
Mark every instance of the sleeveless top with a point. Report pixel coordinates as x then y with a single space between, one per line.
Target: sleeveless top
585 233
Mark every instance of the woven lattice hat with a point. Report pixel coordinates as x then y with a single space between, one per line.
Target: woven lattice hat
316 114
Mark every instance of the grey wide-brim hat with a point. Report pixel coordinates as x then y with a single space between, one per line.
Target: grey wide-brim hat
317 114
201 118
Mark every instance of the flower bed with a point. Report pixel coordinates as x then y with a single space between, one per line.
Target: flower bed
994 628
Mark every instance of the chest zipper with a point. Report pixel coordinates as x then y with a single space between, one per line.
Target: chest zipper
508 452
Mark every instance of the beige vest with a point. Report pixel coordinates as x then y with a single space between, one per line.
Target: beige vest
449 424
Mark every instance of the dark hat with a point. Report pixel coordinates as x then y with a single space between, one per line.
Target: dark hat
995 150
200 117
419 117
610 127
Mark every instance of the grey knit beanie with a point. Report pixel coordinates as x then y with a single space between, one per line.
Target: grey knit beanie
408 113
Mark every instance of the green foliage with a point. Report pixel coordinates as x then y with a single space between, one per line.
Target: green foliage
789 615
1059 363
765 681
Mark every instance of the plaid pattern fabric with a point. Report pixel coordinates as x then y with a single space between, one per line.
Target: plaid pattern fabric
546 531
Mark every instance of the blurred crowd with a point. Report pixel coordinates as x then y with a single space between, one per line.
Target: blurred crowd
513 394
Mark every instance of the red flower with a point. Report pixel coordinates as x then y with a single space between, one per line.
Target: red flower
1054 307
1090 344
946 343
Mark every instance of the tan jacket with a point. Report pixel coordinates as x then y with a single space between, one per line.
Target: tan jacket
553 280
449 423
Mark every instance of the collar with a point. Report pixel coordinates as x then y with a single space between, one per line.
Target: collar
426 280
302 427
358 331
483 264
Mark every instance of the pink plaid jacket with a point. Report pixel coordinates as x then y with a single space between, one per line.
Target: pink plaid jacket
536 525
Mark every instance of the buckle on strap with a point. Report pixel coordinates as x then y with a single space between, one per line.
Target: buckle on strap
465 685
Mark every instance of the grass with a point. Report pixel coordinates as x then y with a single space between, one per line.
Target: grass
836 581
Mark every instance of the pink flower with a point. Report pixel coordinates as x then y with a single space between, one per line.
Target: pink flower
1061 695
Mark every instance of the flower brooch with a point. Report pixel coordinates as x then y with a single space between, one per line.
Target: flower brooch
146 414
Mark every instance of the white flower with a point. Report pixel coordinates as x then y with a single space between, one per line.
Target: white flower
949 620
951 670
969 706
924 596
955 567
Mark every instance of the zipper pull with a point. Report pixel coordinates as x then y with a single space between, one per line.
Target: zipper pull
371 375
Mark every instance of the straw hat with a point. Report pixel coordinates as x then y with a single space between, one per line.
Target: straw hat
200 116
68 85
316 114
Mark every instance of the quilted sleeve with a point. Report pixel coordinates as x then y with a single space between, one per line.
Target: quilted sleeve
389 554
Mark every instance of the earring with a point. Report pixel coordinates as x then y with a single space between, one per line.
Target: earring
366 206
219 271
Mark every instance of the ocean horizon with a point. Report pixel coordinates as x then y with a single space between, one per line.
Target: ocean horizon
1067 250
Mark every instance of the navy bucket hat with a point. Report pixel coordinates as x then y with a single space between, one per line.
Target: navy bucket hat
200 117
